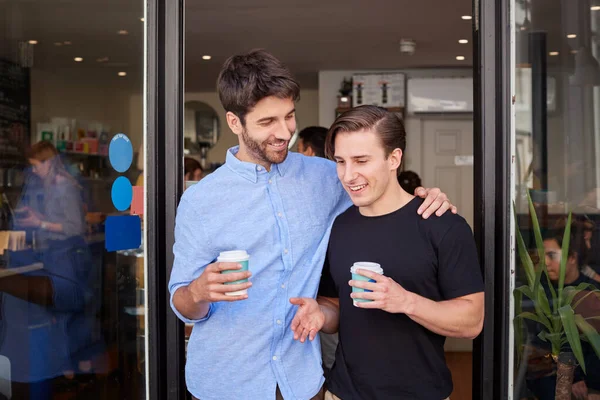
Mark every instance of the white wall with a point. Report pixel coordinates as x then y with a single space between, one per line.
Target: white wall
331 81
329 86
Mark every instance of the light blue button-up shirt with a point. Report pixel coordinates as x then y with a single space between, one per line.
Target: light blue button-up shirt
282 218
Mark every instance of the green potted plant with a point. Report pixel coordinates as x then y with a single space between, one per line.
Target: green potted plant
561 326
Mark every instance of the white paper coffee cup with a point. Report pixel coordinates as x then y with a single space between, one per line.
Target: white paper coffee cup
235 256
367 266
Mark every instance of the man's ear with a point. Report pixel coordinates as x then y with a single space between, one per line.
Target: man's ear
235 123
309 151
395 159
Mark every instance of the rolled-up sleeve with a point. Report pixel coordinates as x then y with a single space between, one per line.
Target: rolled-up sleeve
192 251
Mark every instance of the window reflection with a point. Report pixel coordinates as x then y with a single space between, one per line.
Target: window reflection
557 149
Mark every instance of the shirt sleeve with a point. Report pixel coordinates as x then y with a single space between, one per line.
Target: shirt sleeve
459 273
192 251
327 286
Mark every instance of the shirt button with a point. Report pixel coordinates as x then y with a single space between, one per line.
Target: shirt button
278 322
270 181
274 358
259 168
285 251
279 215
283 286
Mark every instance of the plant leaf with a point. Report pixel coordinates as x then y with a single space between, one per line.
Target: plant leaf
523 254
536 230
583 298
570 292
568 319
536 318
563 262
526 290
590 333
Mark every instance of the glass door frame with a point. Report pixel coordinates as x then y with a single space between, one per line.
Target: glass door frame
164 181
492 161
492 93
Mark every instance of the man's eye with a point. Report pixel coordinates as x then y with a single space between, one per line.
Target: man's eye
340 161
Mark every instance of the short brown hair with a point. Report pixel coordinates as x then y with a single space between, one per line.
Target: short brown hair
386 124
246 79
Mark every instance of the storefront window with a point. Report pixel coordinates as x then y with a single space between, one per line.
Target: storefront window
72 314
557 165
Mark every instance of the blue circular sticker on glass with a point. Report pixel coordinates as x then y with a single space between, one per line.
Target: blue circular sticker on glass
120 152
121 193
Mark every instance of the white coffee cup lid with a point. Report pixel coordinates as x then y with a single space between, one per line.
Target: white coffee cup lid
233 256
369 266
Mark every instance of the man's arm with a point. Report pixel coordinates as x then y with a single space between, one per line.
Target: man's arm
193 301
330 306
313 316
461 317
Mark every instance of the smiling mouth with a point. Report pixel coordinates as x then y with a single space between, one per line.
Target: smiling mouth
279 145
357 188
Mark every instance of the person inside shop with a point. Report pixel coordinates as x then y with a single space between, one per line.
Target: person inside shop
392 332
278 207
311 141
409 181
192 169
47 334
587 243
541 372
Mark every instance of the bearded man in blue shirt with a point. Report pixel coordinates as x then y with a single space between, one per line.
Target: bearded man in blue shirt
279 207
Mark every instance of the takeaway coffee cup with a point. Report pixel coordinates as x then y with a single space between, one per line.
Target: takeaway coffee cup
368 266
235 256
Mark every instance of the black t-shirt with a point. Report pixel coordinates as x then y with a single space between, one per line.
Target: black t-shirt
389 356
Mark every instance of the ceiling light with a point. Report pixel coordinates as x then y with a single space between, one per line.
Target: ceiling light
123 32
122 73
58 44
595 8
460 58
573 51
142 19
102 59
466 17
571 36
207 57
553 53
463 41
33 42
78 59
67 43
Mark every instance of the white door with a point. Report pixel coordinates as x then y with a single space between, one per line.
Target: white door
447 160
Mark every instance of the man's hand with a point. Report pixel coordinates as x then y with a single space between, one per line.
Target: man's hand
387 295
209 287
580 390
436 202
309 318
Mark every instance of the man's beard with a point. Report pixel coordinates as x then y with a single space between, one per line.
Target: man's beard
261 152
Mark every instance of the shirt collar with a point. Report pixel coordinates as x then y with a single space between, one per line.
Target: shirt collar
250 170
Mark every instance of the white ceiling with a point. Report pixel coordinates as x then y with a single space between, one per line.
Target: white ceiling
309 35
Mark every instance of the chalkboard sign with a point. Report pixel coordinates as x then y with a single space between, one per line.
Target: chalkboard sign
14 113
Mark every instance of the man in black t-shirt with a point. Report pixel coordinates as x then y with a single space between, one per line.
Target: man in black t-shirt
391 347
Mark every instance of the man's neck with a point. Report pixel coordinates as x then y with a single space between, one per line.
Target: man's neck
392 200
243 155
